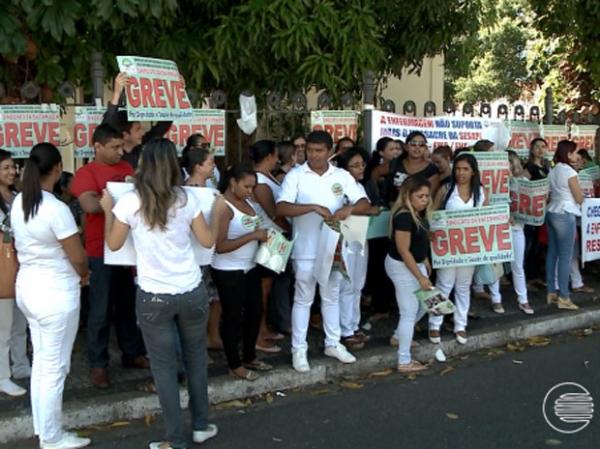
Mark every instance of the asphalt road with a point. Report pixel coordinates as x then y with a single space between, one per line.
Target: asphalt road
492 399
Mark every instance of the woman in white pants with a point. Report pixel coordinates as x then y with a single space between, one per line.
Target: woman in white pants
8 174
52 262
406 263
356 256
518 238
463 192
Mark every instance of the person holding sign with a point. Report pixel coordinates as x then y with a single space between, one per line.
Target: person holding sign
110 286
53 264
463 192
133 134
171 300
235 273
562 211
310 193
407 263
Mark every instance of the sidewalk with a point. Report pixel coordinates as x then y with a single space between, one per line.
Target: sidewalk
86 406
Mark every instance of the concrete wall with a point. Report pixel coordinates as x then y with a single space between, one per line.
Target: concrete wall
428 86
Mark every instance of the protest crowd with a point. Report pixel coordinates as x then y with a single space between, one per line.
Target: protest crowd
364 227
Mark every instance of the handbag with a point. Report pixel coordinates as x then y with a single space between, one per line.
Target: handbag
488 274
9 264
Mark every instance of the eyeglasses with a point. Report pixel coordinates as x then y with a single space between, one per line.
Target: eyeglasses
357 165
414 143
203 146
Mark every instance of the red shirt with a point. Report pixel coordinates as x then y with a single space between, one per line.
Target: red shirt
93 177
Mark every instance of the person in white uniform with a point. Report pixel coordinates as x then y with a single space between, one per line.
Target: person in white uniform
463 192
53 262
311 193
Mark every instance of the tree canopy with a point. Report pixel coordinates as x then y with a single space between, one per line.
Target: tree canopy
260 45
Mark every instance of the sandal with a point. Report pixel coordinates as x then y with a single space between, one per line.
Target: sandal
258 365
583 289
250 376
412 367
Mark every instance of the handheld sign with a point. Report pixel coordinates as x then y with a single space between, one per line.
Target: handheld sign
156 90
590 229
528 200
494 170
87 118
471 236
337 123
25 125
208 122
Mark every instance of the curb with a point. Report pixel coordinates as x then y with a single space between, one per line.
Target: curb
135 405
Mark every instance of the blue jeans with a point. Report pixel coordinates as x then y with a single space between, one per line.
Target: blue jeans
561 237
111 288
166 322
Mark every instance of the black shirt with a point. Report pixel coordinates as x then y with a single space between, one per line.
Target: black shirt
419 238
397 176
536 171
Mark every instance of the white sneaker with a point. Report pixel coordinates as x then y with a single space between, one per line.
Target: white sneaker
340 352
299 360
461 337
12 389
68 441
200 436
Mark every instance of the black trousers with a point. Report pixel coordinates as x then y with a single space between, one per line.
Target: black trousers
241 302
378 284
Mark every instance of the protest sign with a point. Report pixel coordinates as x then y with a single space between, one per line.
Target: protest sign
208 122
337 123
589 181
87 118
328 240
471 236
355 229
24 125
521 135
528 200
590 229
585 137
494 170
275 252
553 134
434 301
456 132
156 90
379 225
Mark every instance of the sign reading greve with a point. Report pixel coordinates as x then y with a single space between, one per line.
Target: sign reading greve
494 171
475 236
156 90
444 130
528 200
24 125
585 137
208 122
521 135
589 180
337 123
87 118
590 229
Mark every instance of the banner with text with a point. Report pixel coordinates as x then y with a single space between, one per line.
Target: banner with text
471 236
528 200
554 134
585 137
337 123
87 118
456 132
521 135
590 229
494 170
156 90
24 125
208 122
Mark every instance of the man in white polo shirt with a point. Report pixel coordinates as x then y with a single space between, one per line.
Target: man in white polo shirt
314 191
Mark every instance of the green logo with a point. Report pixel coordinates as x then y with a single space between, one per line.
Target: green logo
249 222
337 189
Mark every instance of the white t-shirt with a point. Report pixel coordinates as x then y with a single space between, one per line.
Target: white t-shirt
455 202
561 198
333 189
41 256
165 259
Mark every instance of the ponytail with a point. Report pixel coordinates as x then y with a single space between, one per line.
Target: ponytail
237 172
42 159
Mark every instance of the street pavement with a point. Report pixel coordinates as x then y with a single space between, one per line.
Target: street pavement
490 399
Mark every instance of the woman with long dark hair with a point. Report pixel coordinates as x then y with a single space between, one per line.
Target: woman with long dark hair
235 272
8 309
463 192
171 300
563 209
52 263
